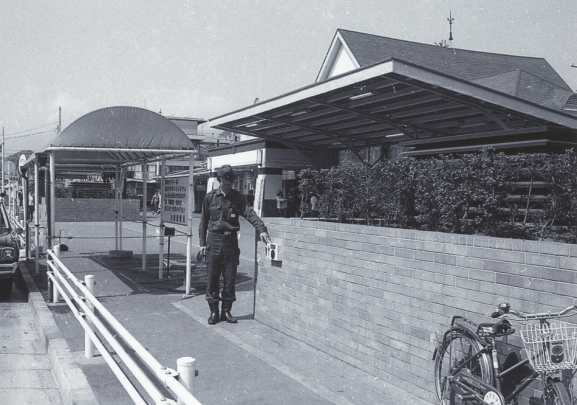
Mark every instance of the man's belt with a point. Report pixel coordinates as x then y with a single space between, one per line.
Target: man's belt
225 233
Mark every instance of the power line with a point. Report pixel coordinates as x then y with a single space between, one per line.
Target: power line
33 129
35 133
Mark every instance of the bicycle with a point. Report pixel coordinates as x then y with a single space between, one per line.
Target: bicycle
468 370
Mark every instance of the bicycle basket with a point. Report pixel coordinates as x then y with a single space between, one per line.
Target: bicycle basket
551 347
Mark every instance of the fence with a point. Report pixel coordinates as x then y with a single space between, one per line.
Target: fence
94 317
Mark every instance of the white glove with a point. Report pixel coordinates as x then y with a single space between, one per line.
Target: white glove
265 238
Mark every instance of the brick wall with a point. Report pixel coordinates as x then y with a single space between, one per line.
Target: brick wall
375 297
94 210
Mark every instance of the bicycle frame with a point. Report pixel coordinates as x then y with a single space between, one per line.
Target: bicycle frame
471 387
468 383
499 374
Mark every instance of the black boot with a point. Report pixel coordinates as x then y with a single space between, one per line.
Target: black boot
213 318
225 314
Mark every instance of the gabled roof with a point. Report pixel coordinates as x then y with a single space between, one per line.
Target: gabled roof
464 64
529 78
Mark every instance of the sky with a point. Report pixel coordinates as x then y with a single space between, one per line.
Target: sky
202 59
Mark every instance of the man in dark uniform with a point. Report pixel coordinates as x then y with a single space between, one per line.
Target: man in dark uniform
219 224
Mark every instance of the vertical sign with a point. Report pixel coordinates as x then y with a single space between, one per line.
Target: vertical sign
259 194
175 200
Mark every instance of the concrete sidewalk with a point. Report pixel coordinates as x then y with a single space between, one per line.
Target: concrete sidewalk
25 371
36 365
244 363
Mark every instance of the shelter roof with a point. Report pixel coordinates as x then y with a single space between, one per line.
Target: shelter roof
119 136
386 103
403 91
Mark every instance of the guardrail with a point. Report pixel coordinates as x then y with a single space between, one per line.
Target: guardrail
79 295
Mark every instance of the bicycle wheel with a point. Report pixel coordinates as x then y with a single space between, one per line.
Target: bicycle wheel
556 393
458 346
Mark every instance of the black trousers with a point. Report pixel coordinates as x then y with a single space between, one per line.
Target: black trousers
222 258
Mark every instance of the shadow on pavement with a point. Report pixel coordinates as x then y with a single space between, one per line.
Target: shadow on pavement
130 271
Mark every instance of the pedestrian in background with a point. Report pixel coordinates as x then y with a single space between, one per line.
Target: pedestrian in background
281 204
314 205
250 198
30 205
218 239
155 202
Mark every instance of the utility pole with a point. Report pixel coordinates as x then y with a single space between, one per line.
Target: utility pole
59 119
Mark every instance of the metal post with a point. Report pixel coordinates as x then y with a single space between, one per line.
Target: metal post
144 201
122 179
25 204
55 293
168 259
52 216
190 211
36 220
186 373
88 345
161 239
116 178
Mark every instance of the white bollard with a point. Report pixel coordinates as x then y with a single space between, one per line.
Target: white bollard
186 372
55 293
88 345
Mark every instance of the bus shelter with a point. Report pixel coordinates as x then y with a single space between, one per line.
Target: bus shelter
111 140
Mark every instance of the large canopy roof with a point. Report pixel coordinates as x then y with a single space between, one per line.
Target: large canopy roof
390 102
118 136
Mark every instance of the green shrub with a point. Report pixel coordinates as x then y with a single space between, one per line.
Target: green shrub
529 196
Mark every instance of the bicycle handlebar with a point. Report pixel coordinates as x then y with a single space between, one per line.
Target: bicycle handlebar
504 309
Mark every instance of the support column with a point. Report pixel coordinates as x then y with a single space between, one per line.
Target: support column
116 178
161 237
25 184
122 180
36 219
190 212
144 217
52 212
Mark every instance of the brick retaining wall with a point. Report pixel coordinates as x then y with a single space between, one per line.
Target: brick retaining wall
94 210
375 297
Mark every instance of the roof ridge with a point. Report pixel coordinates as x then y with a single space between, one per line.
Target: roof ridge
436 46
545 80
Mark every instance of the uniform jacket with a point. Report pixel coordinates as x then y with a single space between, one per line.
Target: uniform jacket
220 213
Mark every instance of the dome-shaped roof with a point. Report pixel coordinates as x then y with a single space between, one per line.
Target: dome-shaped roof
123 127
119 136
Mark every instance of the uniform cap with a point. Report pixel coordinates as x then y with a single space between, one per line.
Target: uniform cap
226 173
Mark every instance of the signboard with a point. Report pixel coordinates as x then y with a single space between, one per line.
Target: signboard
21 163
259 194
175 200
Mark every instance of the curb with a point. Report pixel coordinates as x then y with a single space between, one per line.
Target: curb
72 383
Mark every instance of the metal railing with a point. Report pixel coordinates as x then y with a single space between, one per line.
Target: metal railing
79 295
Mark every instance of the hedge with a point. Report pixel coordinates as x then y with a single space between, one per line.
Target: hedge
527 196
